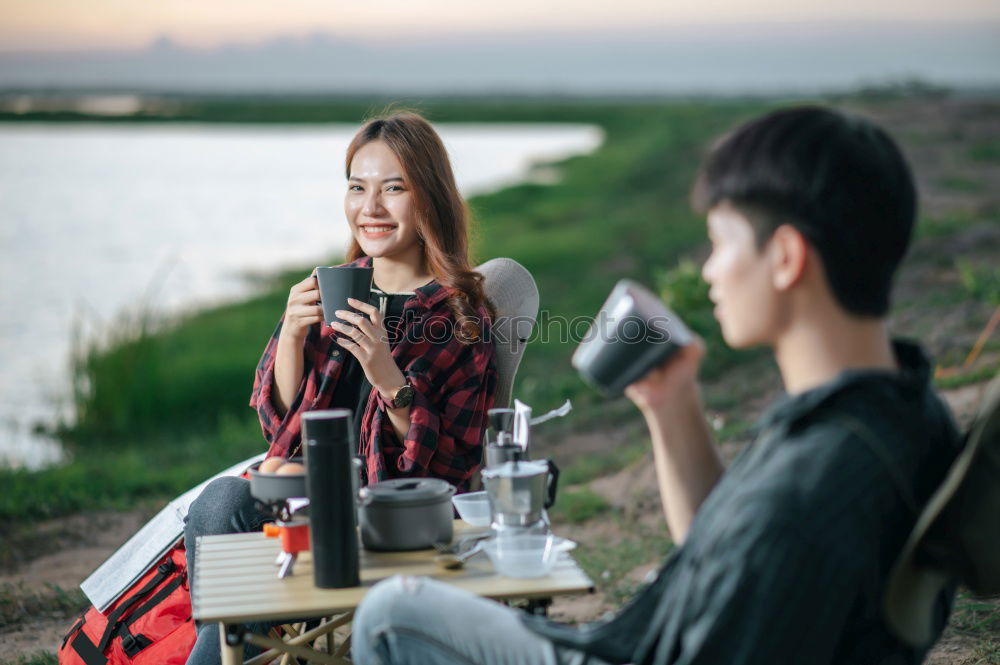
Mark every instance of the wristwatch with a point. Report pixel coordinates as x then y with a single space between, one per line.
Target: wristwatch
403 396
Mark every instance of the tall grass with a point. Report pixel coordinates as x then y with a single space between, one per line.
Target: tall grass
149 376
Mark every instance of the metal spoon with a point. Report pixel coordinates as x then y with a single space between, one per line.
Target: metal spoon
456 561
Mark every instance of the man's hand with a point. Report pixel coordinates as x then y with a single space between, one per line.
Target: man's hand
666 383
687 462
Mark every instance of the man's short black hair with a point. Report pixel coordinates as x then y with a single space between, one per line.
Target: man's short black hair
839 179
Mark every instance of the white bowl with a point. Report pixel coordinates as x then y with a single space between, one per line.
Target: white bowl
473 508
526 555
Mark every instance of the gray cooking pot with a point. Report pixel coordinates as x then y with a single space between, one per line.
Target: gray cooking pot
405 514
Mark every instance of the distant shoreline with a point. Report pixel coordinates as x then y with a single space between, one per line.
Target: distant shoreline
132 105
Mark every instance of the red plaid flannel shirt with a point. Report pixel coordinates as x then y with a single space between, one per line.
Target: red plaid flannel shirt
454 385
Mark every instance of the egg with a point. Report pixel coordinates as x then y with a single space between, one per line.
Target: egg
290 469
271 464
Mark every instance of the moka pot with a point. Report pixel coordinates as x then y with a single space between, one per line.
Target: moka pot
520 492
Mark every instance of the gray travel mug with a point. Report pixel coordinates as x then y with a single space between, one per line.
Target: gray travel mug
632 333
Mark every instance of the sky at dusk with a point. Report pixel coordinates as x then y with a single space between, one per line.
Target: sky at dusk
60 25
466 46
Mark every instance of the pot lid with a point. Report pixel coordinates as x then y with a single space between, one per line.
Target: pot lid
407 490
517 469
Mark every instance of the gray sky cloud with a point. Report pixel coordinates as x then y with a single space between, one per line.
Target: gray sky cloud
735 58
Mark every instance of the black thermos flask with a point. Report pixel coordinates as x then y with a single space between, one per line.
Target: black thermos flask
327 437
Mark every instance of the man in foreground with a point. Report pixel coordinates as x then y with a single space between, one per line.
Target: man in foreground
784 557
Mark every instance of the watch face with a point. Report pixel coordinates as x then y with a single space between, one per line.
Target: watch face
403 397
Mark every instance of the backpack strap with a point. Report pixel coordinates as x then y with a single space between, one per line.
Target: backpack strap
76 626
163 571
133 644
156 599
87 651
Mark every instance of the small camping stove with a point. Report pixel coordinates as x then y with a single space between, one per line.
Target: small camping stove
294 535
272 494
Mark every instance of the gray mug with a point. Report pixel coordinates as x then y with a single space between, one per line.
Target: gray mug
632 333
337 284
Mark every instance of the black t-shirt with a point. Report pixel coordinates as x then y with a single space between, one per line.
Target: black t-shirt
353 388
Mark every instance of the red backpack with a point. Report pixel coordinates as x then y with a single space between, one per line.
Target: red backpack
150 624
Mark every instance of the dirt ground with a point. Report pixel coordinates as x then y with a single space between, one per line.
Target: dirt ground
959 192
73 548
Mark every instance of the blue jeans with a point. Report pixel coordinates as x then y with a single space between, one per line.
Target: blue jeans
419 621
224 506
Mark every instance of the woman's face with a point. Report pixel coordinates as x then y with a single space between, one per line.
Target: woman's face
380 207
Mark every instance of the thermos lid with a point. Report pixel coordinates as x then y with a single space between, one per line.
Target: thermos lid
407 491
519 469
326 424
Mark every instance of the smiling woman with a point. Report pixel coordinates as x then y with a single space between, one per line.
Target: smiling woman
420 401
409 223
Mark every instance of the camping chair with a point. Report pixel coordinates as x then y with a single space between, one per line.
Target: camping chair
512 290
957 536
514 294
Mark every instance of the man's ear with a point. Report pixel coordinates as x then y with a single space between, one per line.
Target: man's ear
788 252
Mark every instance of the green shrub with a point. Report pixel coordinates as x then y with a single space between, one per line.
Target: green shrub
981 282
985 151
686 293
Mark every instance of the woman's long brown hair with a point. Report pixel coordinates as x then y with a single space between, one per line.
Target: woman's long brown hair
442 214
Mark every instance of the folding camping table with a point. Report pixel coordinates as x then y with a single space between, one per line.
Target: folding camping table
236 583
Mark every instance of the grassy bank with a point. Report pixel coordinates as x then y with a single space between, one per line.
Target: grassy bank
162 404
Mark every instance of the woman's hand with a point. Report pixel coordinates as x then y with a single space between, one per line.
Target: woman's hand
670 382
367 341
302 312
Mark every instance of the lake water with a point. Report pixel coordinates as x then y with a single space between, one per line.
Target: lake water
96 220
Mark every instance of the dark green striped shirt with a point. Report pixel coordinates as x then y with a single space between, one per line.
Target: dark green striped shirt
788 558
